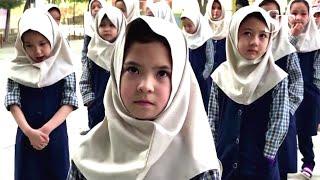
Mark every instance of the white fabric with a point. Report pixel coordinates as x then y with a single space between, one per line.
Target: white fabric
101 51
23 70
281 45
203 33
219 27
89 19
309 39
242 80
133 9
162 10
177 145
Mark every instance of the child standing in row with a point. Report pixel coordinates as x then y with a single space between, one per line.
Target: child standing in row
161 10
141 136
285 56
306 38
130 8
219 23
201 50
109 26
41 92
249 103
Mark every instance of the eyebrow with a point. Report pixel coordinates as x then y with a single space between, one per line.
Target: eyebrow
132 63
250 29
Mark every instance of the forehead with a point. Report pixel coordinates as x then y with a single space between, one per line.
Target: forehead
216 4
95 3
298 6
31 35
252 23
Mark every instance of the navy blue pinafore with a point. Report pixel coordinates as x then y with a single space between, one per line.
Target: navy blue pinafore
287 153
52 163
219 52
99 79
241 139
308 113
197 58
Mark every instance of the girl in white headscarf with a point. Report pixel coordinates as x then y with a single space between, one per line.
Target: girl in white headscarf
306 38
130 8
109 27
154 126
198 34
161 10
41 92
285 56
219 23
249 104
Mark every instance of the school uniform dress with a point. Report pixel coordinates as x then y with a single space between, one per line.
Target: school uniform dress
38 106
240 132
219 53
288 149
200 62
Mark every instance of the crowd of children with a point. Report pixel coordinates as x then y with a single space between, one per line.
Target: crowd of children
219 98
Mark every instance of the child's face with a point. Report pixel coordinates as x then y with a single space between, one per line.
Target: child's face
317 18
216 10
145 85
300 12
120 5
188 26
107 30
252 39
272 9
36 46
56 15
95 7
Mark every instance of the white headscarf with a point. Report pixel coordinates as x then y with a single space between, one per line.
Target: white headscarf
162 10
281 45
133 9
219 27
242 80
177 145
23 70
89 19
101 51
309 39
203 33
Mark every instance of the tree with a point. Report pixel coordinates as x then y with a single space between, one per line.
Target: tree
8 5
203 5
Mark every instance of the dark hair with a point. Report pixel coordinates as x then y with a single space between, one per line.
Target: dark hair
303 1
217 1
54 8
256 15
266 2
139 31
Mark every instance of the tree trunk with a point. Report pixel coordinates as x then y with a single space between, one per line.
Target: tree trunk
203 6
7 28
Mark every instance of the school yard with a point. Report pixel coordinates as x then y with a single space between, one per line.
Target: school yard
77 120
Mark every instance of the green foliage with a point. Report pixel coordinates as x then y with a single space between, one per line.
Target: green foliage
68 1
9 4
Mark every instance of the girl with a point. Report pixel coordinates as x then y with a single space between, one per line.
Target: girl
285 56
198 34
161 10
109 25
85 88
130 8
306 38
41 73
54 11
249 104
216 15
141 136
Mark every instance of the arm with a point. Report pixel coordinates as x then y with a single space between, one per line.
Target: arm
293 40
209 59
74 173
12 102
316 66
213 111
279 120
85 83
208 175
295 82
68 104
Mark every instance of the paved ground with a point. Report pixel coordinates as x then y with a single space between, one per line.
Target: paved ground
77 121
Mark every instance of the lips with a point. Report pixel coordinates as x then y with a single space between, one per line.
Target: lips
143 102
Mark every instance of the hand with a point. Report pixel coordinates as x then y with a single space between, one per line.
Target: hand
38 139
297 29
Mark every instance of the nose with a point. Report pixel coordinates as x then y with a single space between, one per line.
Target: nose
37 50
254 40
146 85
